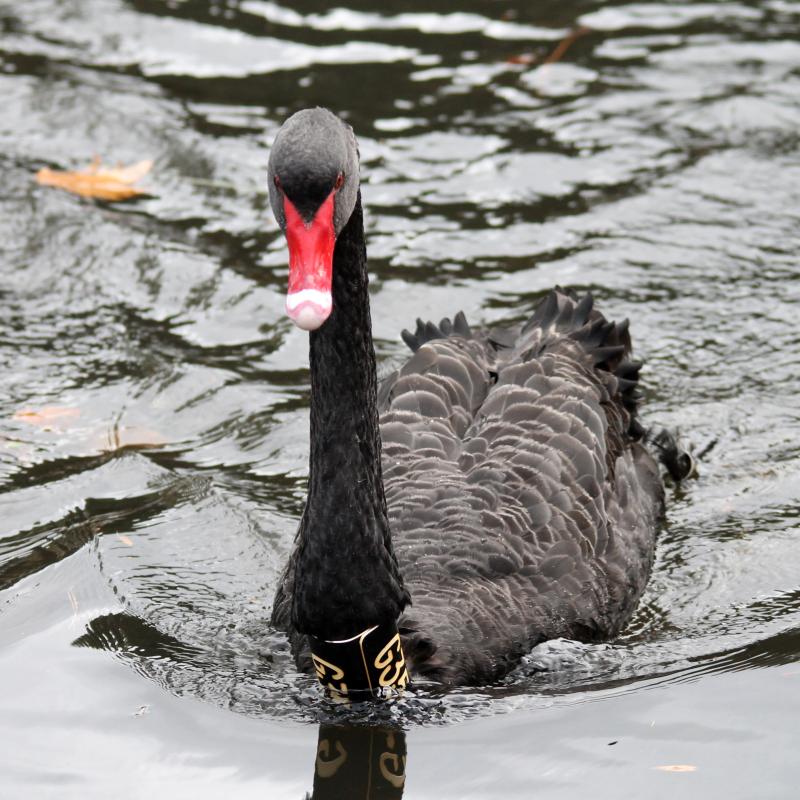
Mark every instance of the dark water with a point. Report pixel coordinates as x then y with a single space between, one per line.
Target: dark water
648 152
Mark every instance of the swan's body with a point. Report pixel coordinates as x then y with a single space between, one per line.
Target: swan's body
519 503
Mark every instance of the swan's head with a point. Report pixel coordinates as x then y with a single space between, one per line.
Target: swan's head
313 185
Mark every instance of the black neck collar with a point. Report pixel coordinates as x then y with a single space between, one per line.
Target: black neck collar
370 664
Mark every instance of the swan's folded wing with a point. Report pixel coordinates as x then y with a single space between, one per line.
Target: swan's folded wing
521 507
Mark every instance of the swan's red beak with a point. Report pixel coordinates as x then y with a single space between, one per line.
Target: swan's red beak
308 301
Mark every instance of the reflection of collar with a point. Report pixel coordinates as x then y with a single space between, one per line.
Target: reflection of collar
357 761
371 663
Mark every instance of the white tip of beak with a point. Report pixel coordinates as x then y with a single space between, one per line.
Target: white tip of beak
309 308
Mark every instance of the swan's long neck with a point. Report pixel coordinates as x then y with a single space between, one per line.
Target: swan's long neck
346 578
345 438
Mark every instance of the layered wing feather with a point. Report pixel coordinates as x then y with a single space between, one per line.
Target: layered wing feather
522 505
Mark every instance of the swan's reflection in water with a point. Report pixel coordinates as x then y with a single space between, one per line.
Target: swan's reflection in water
354 761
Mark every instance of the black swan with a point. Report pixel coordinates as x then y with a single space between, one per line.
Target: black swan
492 493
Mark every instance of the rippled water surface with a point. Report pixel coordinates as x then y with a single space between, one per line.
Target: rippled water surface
647 152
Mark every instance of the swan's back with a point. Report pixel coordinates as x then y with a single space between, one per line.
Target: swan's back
522 505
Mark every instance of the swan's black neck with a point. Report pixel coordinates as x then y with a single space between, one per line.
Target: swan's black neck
346 578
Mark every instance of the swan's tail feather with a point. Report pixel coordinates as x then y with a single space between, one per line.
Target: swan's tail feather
564 315
545 315
679 462
561 310
461 326
427 331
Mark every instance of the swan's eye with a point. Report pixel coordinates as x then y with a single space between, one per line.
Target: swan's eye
277 181
339 181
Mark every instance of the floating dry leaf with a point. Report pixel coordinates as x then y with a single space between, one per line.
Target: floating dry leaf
98 181
47 417
523 58
677 768
126 540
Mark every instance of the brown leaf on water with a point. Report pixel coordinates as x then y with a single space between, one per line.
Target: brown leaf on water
126 540
104 183
62 418
522 58
47 417
677 768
